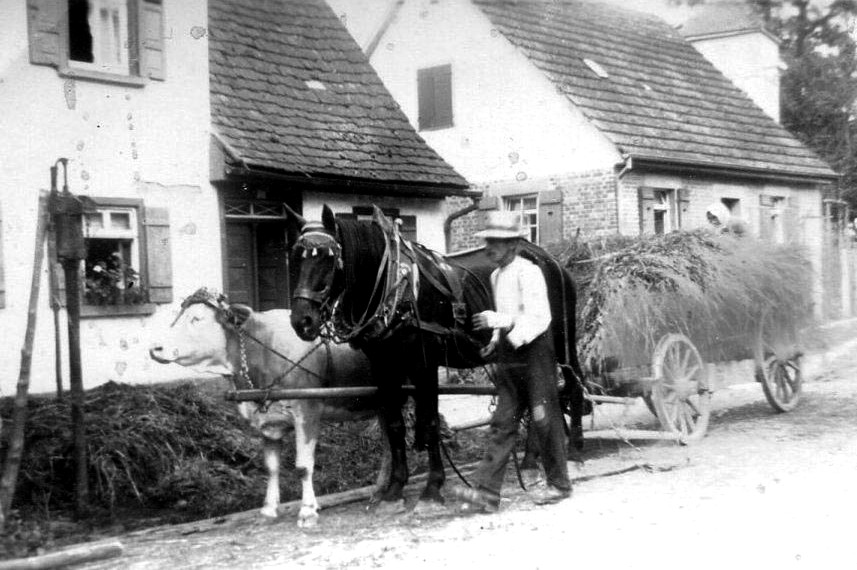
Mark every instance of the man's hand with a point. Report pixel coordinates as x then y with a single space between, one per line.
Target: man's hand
488 350
491 320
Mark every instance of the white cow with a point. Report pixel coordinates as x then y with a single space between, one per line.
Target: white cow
206 336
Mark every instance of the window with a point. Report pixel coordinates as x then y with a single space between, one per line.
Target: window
662 209
408 227
528 206
128 263
111 275
434 92
113 40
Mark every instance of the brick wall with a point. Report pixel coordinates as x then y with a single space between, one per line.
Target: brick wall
463 228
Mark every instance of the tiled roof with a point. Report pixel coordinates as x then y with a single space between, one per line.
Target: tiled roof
661 99
292 92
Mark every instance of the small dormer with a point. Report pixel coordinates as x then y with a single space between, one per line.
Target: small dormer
733 37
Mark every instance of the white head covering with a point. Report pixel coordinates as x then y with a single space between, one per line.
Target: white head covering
502 224
719 211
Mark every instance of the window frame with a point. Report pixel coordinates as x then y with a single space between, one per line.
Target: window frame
147 307
507 202
53 27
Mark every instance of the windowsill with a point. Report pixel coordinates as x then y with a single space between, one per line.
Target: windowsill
101 76
106 311
435 128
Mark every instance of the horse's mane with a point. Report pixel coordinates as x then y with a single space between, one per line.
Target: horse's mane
363 247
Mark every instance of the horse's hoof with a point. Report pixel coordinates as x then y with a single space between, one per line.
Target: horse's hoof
389 508
268 512
429 508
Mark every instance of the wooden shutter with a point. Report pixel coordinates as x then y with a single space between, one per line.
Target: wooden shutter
791 222
151 21
425 95
443 96
683 199
408 228
2 279
647 210
159 268
765 226
550 216
44 20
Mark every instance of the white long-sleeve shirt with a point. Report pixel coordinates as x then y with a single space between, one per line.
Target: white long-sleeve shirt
521 297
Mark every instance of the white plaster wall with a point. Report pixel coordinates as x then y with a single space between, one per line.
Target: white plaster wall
430 213
149 142
509 121
752 62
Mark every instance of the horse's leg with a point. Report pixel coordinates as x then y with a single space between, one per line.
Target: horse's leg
573 395
389 383
307 428
271 447
428 423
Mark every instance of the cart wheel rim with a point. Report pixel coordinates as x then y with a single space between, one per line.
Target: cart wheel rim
681 392
782 382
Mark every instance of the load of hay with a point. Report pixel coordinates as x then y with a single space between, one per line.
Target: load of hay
714 288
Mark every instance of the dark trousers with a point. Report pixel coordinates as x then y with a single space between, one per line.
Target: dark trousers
526 378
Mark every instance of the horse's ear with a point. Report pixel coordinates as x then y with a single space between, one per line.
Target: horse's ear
328 219
239 313
381 219
294 216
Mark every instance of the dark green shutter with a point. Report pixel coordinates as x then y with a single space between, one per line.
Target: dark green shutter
44 21
425 95
443 96
550 216
152 39
159 268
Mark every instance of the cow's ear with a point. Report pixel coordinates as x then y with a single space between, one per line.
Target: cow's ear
328 219
239 313
294 217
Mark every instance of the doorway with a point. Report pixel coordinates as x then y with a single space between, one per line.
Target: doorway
257 264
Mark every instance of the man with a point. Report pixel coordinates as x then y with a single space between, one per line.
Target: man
526 370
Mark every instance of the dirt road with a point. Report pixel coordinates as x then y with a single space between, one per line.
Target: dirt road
763 490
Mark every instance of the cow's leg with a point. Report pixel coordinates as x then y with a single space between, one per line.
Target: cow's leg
271 448
307 429
383 478
428 424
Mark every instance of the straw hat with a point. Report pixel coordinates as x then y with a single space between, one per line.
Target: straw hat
502 224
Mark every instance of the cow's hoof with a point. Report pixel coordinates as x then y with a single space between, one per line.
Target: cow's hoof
389 508
307 517
269 512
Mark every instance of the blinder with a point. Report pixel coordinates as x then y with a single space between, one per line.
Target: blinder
315 242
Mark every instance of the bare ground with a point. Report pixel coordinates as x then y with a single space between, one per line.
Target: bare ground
761 490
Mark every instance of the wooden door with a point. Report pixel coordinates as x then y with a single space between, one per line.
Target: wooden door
272 263
240 253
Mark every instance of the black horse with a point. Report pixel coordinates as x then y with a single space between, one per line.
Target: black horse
409 309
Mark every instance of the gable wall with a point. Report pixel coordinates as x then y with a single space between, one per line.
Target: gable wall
147 143
509 121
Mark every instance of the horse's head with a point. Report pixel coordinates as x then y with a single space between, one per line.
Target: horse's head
318 256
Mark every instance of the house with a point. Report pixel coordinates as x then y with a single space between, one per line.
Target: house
299 116
188 124
593 119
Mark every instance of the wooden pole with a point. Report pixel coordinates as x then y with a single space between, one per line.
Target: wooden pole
19 414
53 284
75 378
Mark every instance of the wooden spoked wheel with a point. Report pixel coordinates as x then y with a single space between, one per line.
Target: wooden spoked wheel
680 391
782 382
